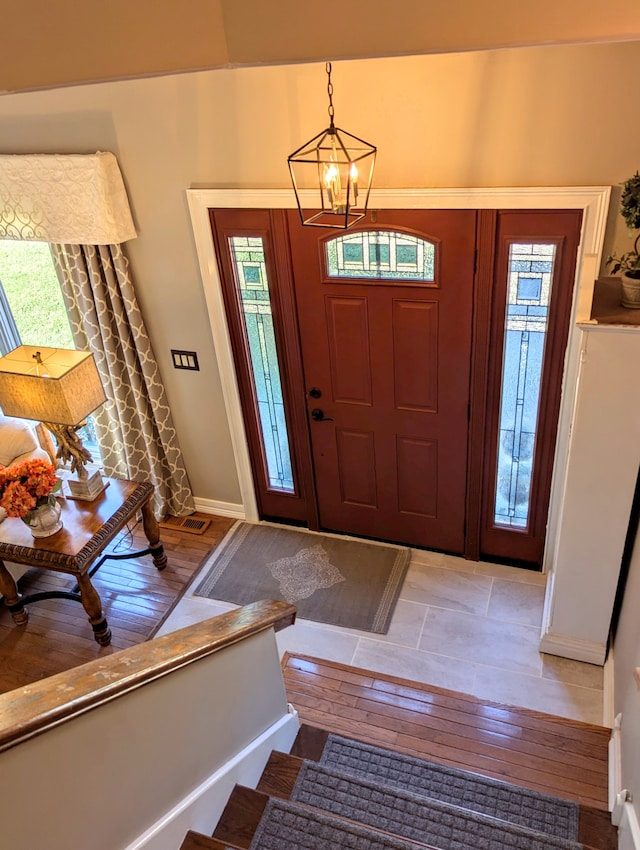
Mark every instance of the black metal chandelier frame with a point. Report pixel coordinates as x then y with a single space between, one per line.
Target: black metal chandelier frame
335 160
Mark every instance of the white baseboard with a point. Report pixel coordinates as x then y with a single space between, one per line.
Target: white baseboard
201 809
564 645
211 506
568 647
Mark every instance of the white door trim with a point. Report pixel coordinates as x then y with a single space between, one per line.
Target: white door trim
592 200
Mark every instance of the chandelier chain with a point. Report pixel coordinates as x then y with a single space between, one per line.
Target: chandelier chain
329 91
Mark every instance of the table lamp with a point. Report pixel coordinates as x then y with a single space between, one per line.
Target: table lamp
60 388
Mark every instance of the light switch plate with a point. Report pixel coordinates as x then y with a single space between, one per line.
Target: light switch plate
185 360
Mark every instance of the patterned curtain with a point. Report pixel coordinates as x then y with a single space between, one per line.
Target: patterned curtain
135 430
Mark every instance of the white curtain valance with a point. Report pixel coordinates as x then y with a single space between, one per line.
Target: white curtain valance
77 199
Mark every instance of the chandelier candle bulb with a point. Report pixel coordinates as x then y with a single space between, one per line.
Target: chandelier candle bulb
353 174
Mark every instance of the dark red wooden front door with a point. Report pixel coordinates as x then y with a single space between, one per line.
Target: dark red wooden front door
386 365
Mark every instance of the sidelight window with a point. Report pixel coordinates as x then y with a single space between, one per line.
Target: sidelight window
247 253
530 273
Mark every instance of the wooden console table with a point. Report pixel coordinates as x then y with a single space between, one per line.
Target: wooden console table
88 527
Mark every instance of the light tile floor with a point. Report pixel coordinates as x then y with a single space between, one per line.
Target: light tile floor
473 627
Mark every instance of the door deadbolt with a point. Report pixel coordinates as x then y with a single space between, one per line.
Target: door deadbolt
314 392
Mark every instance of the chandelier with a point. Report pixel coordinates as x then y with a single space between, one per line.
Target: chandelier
340 167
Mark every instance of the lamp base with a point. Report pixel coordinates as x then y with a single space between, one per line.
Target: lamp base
86 489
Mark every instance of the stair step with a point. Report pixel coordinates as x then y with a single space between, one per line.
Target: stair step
241 816
309 742
197 841
302 825
280 775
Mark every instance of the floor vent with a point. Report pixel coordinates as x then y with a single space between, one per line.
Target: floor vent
193 525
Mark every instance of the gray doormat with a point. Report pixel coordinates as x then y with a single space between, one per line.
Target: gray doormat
481 794
413 817
329 579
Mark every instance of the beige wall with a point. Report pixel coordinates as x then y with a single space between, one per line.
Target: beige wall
535 116
46 44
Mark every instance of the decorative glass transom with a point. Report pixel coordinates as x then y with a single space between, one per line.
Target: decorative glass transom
380 254
530 273
255 302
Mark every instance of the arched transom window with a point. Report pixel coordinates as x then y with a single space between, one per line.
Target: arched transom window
381 255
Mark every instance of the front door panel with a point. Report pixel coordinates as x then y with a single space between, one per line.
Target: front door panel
386 340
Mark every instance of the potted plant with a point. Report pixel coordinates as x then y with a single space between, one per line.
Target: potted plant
628 264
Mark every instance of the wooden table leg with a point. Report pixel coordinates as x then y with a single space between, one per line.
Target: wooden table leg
152 531
12 598
92 604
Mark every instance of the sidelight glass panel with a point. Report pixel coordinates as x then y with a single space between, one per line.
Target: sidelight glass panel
380 255
247 253
530 273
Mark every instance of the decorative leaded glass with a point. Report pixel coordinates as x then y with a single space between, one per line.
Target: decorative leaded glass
530 274
253 288
381 255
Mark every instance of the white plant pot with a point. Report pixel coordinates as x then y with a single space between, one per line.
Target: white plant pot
630 292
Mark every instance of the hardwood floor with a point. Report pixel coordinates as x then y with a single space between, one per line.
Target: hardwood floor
135 596
525 747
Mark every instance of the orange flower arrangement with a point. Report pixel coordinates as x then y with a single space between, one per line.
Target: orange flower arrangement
26 485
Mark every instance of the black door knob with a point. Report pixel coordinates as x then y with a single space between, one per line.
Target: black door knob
318 415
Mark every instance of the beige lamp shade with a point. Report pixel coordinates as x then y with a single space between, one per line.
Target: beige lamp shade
64 388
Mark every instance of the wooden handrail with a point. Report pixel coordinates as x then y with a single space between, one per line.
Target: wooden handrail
35 708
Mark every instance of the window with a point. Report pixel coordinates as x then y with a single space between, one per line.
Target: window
252 290
381 255
530 272
32 310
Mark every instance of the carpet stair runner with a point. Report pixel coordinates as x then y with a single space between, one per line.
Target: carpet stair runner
335 792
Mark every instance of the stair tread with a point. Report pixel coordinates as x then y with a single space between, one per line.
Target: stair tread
241 816
414 816
243 799
198 841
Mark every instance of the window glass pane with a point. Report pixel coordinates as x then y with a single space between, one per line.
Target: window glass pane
251 280
381 255
32 310
33 291
530 274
